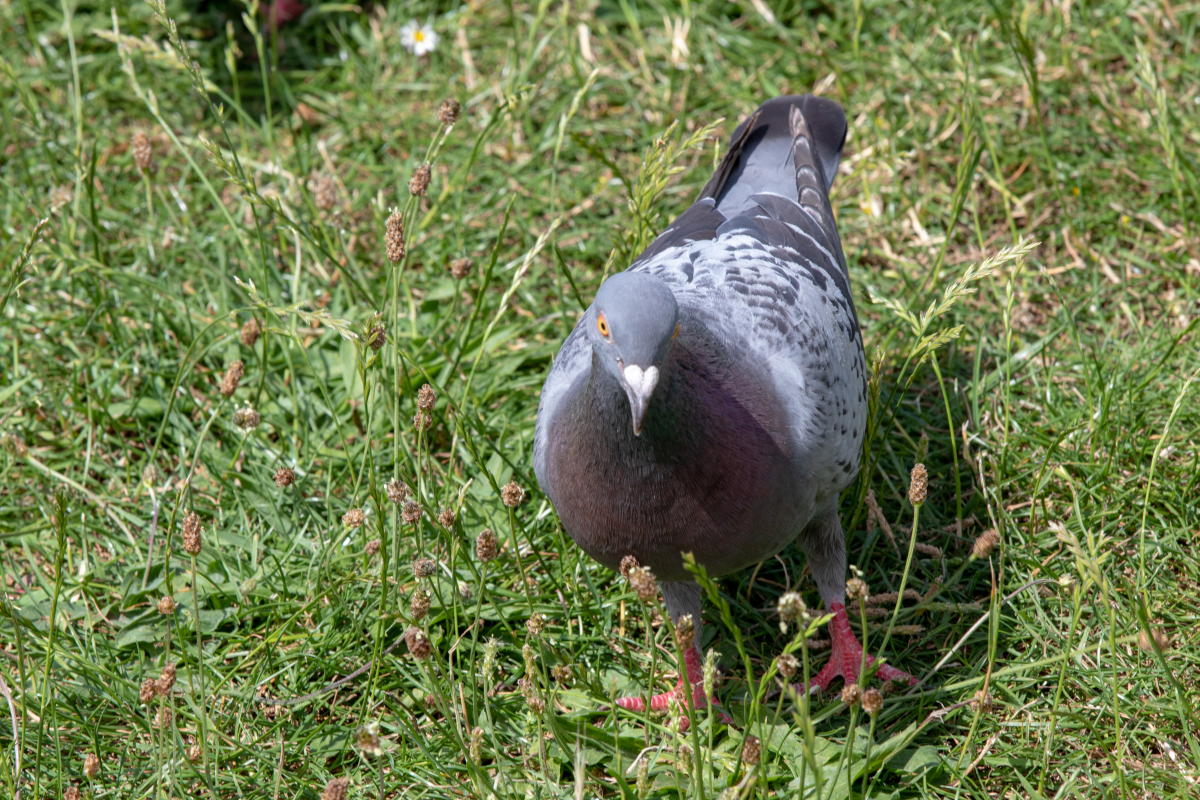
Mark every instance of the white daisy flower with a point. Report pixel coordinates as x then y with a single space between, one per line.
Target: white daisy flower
417 38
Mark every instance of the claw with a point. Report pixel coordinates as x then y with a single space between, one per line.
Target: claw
846 660
660 702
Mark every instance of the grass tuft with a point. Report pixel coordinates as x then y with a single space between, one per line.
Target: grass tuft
277 302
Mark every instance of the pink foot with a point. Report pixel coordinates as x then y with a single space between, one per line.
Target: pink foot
660 702
847 657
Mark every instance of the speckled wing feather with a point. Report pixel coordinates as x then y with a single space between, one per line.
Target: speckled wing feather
757 260
772 279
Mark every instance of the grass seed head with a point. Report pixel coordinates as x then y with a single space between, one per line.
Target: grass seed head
709 672
166 679
232 377
418 184
91 766
627 563
418 643
354 518
1160 638
14 444
751 751
418 604
460 268
246 419
165 717
147 691
872 701
790 609
529 691
512 495
166 605
285 477
366 738
393 238
377 337
683 751
422 421
918 485
191 534
983 700
373 546
852 695
446 519
685 631
250 332
485 545
561 674
986 543
930 550
61 196
642 581
325 193
856 589
788 666
397 490
530 657
477 746
193 753
151 476
426 398
142 151
71 793
887 598
449 111
411 512
535 624
336 789
424 567
489 658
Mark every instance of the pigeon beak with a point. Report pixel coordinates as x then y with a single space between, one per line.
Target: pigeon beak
639 385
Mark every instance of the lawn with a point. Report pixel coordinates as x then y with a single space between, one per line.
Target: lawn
245 555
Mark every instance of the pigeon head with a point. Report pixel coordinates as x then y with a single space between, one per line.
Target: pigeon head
632 323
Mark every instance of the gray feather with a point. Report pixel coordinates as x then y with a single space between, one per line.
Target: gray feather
757 422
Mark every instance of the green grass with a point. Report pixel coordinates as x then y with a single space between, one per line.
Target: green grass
1056 405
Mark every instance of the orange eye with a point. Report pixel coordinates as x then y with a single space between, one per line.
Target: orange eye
602 324
676 333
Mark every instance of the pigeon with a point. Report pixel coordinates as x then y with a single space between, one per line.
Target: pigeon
713 398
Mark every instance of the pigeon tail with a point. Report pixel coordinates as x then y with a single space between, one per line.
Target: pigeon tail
769 152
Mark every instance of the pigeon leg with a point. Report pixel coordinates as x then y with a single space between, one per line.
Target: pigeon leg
846 660
825 545
681 597
659 702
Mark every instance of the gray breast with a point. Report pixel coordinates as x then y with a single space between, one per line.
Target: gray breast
712 472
